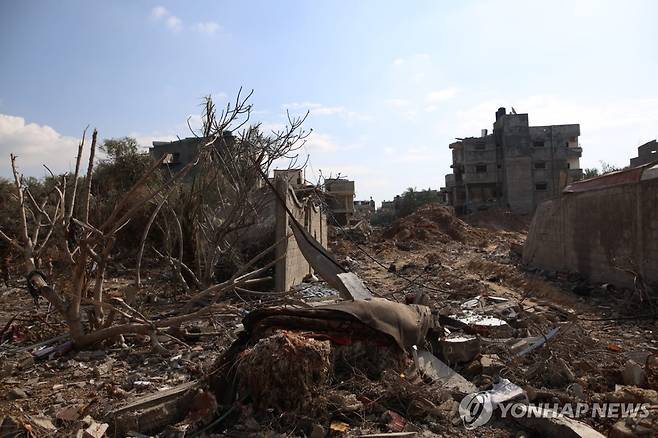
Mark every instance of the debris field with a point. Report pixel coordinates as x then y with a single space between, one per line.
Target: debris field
444 309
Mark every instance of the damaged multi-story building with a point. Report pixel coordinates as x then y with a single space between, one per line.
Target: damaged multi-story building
646 153
518 166
339 196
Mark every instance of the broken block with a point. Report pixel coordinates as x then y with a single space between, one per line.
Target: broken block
491 364
460 348
634 374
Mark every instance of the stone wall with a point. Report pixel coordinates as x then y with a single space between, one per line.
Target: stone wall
292 268
597 231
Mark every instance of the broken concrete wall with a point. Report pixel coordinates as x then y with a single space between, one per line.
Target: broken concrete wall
292 269
597 231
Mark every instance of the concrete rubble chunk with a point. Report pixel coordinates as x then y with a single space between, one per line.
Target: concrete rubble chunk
491 364
527 345
485 325
460 348
634 374
353 286
44 423
17 393
437 370
95 430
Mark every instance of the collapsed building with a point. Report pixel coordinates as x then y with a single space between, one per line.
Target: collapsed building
603 228
272 223
517 167
364 209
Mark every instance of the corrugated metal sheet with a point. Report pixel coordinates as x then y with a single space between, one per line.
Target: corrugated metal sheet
613 179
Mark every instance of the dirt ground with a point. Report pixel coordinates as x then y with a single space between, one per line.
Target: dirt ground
448 260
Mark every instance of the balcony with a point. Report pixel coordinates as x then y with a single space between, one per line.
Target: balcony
576 151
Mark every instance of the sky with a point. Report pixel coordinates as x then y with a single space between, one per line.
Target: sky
389 84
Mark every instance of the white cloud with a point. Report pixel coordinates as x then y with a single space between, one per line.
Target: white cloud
318 142
174 23
160 13
207 27
403 107
398 103
438 96
417 154
318 109
34 145
402 60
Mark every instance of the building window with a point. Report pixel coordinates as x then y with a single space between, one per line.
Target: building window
540 165
538 143
481 168
541 186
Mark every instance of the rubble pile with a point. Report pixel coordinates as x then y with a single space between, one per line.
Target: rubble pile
284 370
456 317
431 222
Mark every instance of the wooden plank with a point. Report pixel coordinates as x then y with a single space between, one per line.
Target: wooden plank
152 399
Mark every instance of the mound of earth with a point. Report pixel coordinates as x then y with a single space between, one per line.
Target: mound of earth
431 222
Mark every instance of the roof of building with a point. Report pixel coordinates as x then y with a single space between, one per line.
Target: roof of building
613 179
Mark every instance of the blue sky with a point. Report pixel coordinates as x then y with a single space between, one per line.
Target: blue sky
389 84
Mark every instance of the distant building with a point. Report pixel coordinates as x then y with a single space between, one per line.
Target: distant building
518 166
340 199
646 154
364 209
182 152
294 177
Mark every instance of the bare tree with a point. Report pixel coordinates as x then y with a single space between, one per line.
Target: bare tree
225 196
217 203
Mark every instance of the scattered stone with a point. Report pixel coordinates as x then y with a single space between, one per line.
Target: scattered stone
43 422
491 364
17 393
24 361
634 374
339 427
436 370
96 430
69 413
460 348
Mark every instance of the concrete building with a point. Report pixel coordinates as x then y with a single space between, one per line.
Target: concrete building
339 194
364 209
182 152
646 154
294 177
518 166
604 228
